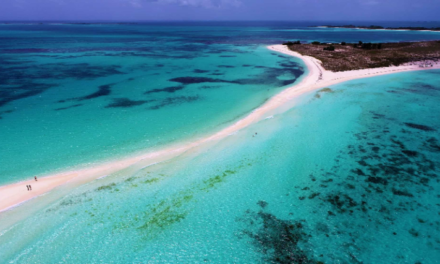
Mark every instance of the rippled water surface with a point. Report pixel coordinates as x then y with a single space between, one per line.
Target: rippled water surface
350 174
75 94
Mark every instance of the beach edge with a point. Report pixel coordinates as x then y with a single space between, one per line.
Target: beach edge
13 195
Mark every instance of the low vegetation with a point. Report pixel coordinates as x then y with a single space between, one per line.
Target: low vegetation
355 56
288 43
330 48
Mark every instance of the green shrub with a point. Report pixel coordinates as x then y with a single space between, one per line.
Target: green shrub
330 48
290 43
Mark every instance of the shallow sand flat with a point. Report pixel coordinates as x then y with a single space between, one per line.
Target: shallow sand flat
316 78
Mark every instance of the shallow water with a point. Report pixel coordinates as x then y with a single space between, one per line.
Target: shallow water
349 175
72 95
78 99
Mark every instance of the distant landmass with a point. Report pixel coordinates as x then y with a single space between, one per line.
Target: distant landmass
381 28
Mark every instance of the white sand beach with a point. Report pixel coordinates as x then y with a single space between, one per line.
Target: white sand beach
316 78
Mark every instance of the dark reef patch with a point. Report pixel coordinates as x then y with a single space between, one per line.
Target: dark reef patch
200 71
324 90
126 102
226 66
432 144
280 241
410 153
402 193
389 172
11 92
175 101
270 76
78 71
262 204
192 80
27 50
19 80
103 90
210 87
107 187
5 112
313 195
228 56
171 89
420 127
377 180
425 86
341 202
11 61
68 107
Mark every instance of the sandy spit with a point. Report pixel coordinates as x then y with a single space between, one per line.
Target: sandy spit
317 77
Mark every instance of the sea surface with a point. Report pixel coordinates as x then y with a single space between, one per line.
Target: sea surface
348 174
75 95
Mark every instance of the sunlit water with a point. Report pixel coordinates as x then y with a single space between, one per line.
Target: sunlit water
349 174
78 94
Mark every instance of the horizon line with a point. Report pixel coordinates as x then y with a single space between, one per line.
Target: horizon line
216 20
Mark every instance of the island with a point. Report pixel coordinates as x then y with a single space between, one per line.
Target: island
374 27
343 56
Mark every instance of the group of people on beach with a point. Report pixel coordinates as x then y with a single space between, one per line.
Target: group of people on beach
29 187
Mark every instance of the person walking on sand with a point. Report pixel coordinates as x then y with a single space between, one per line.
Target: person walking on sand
27 186
35 177
30 187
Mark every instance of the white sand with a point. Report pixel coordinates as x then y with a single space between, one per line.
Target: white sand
317 77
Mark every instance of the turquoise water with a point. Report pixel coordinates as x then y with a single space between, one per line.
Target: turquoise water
100 97
72 95
349 174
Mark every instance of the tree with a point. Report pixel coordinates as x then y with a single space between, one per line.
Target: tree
367 46
290 43
343 43
330 48
316 42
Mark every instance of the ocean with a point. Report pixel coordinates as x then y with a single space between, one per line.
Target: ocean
348 174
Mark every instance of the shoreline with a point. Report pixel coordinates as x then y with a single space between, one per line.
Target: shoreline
15 194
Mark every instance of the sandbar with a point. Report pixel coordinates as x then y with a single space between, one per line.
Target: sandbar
317 77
